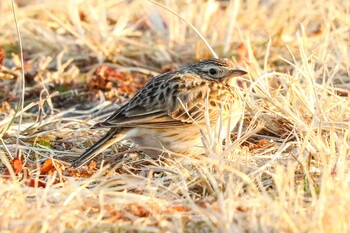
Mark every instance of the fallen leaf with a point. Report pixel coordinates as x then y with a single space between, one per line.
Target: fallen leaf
263 143
50 167
138 210
109 73
17 165
92 165
179 208
32 183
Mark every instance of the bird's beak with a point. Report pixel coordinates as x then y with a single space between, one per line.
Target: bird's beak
235 73
230 80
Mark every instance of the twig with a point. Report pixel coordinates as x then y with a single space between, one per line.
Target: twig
22 74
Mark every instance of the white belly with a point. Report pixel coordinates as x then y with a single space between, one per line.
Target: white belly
192 139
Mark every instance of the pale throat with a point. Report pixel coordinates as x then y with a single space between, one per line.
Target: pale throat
231 82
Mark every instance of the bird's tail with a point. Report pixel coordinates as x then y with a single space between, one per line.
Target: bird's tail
98 147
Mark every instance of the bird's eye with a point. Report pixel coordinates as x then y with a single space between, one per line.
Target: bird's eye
213 71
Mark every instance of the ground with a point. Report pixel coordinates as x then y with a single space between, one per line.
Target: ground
286 168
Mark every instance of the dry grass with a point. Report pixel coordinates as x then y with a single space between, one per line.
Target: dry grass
293 176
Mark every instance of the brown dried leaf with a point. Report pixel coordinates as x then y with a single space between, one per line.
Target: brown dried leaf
17 165
32 183
92 165
108 73
51 166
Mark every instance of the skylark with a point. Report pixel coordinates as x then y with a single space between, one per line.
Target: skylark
175 110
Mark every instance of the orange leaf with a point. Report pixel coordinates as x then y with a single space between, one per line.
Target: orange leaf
50 166
179 208
106 72
138 210
92 165
40 184
27 67
126 88
17 165
47 167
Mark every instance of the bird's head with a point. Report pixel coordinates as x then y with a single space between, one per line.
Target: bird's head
216 69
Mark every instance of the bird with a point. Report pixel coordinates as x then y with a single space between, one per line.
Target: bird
174 110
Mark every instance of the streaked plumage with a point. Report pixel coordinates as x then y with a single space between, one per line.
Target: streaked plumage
172 109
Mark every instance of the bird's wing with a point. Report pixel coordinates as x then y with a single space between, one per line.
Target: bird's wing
165 101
